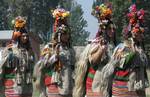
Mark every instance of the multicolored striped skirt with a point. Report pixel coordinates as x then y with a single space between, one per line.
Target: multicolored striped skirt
64 88
120 89
51 89
11 89
89 81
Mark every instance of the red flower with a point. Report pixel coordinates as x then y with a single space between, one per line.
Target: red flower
132 21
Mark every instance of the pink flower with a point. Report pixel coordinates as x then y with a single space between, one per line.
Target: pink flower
132 8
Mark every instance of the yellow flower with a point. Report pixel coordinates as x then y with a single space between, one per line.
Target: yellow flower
19 23
60 13
66 14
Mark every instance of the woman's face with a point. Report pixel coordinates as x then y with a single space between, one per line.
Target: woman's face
64 37
24 38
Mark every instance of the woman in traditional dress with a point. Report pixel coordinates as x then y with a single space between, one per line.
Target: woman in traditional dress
128 62
57 59
17 61
95 55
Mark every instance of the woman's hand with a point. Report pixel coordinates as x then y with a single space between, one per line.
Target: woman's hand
119 54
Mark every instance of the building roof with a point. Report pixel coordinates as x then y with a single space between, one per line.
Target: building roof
6 34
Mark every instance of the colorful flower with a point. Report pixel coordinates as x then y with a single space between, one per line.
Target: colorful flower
102 11
135 15
20 22
60 13
133 8
137 29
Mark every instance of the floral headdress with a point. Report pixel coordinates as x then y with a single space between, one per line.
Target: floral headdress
102 11
19 22
136 19
59 14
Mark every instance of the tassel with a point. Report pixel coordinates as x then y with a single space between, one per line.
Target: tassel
55 24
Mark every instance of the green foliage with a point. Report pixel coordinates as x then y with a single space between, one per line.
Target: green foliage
41 20
4 9
77 23
120 9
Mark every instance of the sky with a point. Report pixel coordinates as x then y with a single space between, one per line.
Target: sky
92 21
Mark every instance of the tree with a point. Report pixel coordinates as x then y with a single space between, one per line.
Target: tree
120 9
4 24
39 19
76 22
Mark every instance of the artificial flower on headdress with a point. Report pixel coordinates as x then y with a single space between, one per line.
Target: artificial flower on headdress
137 29
141 14
59 14
133 8
103 14
102 11
20 22
135 15
136 18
